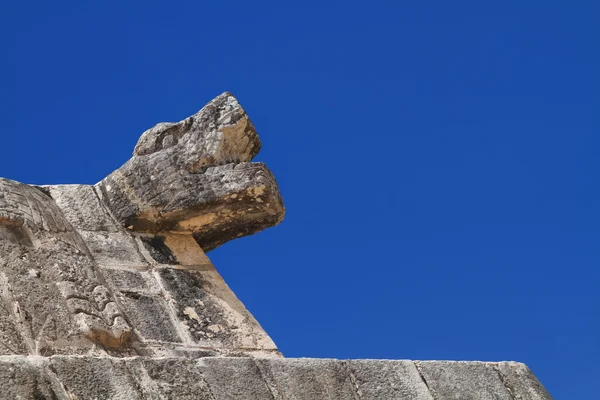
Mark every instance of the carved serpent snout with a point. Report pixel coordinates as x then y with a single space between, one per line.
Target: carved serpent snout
195 176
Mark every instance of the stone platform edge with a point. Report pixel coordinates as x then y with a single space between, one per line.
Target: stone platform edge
216 378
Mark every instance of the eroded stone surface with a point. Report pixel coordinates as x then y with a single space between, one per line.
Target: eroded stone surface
195 176
179 379
82 208
463 380
521 382
232 378
384 379
51 294
308 379
23 379
208 311
97 378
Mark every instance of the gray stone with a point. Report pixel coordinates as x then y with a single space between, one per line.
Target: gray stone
521 382
149 317
230 378
31 208
176 379
463 380
114 249
308 379
211 314
234 378
95 378
220 132
22 379
82 207
123 280
53 301
385 379
195 176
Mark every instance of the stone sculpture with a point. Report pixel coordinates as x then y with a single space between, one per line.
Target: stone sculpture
106 291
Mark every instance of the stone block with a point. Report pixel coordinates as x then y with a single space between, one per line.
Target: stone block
234 378
176 379
390 380
23 380
308 379
114 248
121 280
463 380
83 209
11 341
53 303
521 382
95 378
209 310
150 317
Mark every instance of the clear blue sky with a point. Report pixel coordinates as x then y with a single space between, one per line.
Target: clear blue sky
438 160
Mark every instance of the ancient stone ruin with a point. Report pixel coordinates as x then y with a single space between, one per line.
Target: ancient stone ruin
106 291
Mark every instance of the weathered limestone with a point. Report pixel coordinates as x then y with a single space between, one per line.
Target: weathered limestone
71 377
196 177
52 300
106 291
165 285
69 286
384 379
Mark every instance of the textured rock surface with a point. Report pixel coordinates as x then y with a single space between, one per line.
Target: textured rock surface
73 281
196 177
106 291
76 377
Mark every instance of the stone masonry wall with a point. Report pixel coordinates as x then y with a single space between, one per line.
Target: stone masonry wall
106 291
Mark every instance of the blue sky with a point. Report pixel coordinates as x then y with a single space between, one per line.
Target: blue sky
438 160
